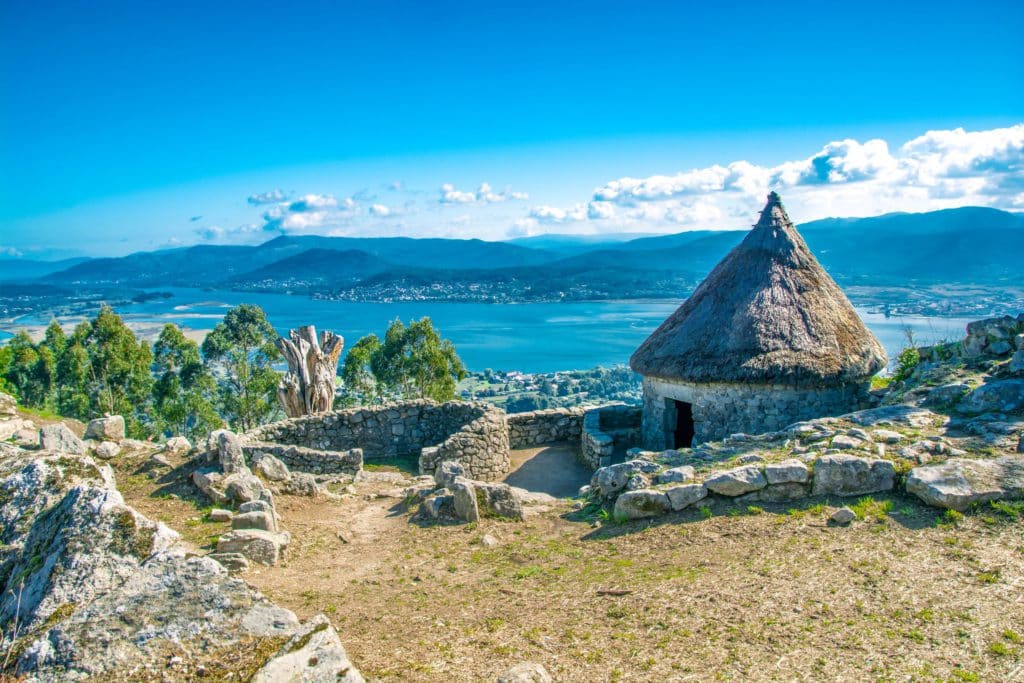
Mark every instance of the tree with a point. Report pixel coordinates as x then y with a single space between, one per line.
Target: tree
413 361
241 350
184 391
119 381
72 395
357 372
22 367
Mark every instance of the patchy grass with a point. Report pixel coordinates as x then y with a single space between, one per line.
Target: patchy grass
407 465
703 594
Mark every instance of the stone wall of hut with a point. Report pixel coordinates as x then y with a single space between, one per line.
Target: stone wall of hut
475 434
723 409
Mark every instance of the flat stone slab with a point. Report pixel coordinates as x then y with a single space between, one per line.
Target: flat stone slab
894 415
848 475
1000 396
684 496
737 481
787 471
959 483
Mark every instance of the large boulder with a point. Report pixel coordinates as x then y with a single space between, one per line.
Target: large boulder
642 503
958 483
97 591
946 394
258 545
242 486
301 484
314 653
447 471
68 536
229 451
474 500
210 482
990 336
464 500
848 475
59 437
737 481
110 428
498 500
272 469
610 480
1005 395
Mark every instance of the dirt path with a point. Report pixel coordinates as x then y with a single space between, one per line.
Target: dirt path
552 469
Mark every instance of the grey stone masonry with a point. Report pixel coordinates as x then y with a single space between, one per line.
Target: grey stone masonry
526 430
723 409
304 459
605 428
473 433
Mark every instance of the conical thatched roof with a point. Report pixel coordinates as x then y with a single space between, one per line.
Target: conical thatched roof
768 313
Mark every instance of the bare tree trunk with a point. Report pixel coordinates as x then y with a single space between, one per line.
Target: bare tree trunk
308 386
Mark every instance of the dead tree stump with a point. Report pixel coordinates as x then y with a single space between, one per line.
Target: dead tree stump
308 386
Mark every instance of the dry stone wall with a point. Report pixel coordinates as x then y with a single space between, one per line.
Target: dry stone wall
305 459
723 409
539 427
473 433
606 428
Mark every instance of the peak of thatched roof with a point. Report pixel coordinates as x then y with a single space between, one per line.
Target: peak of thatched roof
768 313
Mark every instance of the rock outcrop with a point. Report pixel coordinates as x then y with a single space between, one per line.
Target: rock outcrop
91 589
59 437
959 483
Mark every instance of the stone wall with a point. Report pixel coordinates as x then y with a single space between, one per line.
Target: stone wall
605 429
528 430
403 430
305 459
723 409
481 446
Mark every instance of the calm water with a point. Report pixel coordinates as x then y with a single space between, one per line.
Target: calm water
527 337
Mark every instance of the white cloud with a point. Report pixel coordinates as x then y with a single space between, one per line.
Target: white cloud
936 170
380 211
269 197
484 194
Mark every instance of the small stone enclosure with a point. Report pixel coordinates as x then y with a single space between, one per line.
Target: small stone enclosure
476 434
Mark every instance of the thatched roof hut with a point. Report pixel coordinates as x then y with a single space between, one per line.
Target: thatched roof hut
767 314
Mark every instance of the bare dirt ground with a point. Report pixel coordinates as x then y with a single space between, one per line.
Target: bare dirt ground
727 593
553 469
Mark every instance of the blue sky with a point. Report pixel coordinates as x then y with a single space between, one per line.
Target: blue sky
128 126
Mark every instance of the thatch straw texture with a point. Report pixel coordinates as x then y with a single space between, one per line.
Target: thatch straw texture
768 313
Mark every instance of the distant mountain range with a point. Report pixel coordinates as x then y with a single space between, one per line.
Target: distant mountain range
967 245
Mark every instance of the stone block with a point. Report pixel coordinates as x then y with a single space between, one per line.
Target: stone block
264 547
787 471
848 475
109 428
737 481
642 503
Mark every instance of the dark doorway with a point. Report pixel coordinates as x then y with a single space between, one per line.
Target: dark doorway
683 435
